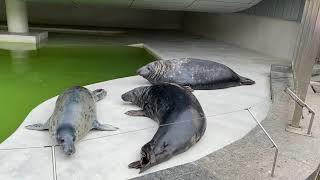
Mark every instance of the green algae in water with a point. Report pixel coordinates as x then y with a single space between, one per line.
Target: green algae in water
29 78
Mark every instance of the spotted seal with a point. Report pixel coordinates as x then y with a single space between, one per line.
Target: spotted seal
73 117
181 119
196 73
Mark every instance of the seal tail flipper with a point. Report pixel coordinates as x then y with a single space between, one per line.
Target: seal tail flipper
99 94
38 127
103 127
145 167
135 165
246 81
139 165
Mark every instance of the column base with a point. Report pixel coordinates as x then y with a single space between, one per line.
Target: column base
299 130
26 41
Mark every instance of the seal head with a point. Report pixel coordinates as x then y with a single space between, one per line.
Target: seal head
148 70
65 138
144 71
136 95
154 71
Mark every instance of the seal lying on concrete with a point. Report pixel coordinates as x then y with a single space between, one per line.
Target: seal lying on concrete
73 117
180 116
196 73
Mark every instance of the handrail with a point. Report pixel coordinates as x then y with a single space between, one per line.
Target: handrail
272 141
302 104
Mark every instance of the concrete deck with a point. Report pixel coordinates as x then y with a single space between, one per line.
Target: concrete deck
252 156
105 155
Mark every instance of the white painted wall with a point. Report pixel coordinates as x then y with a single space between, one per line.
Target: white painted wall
270 36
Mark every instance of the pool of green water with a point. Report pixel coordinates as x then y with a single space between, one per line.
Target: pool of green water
30 77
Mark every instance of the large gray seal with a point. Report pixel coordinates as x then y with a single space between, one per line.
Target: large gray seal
73 117
181 119
196 73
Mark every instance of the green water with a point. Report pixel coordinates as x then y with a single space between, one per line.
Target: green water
29 78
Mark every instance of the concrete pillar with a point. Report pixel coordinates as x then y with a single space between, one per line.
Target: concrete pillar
306 54
17 17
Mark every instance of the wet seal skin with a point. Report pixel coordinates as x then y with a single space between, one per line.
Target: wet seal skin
73 117
197 73
181 120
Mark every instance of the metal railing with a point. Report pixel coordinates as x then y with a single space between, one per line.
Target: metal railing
272 141
54 168
303 105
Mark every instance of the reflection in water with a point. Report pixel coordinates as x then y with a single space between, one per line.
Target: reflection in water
20 62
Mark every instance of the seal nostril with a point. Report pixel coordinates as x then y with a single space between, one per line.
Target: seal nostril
143 71
123 97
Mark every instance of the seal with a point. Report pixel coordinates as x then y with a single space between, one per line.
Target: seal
181 120
196 73
73 117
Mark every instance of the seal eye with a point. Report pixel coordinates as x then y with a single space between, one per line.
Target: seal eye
164 145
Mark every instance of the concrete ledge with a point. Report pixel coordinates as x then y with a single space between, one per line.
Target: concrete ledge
32 38
150 50
280 74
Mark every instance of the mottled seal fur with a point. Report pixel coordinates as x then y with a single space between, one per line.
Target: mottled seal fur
181 119
197 73
73 117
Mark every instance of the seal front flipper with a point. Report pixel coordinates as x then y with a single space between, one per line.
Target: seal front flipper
136 113
103 127
38 127
99 94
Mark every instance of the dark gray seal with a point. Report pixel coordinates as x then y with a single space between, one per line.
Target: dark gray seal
180 116
196 73
73 117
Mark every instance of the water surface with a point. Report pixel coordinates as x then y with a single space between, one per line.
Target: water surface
30 77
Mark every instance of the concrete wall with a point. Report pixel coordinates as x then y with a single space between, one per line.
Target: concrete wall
270 36
283 9
100 16
2 10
